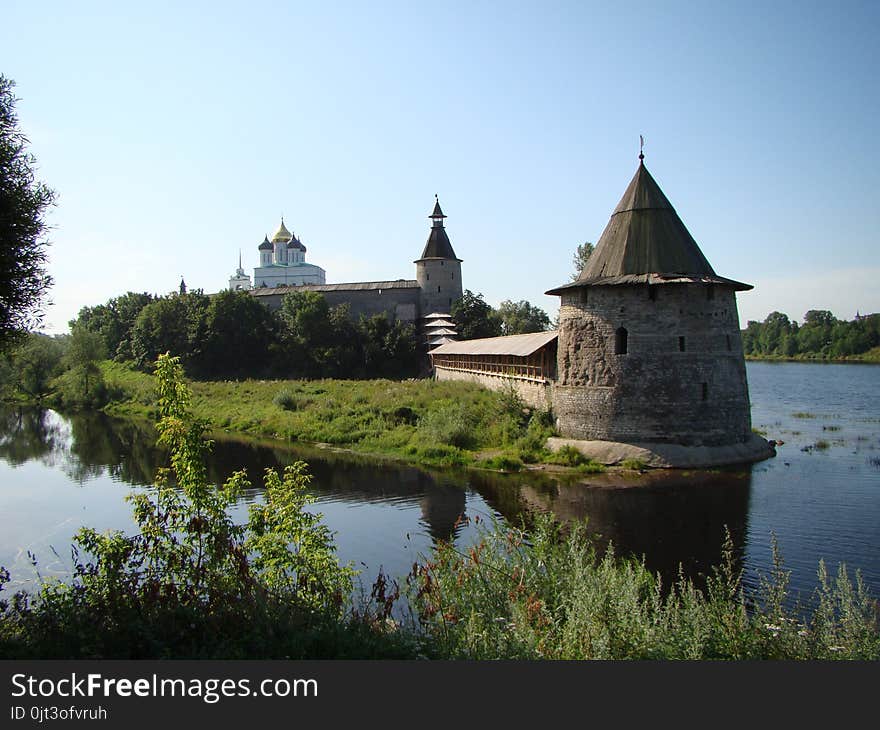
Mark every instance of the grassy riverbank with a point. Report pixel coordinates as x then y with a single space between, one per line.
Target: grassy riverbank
419 421
871 356
192 583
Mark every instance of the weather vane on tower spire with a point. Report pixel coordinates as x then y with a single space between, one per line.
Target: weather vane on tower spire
641 147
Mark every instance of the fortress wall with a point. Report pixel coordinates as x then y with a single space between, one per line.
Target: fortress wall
396 303
535 394
655 391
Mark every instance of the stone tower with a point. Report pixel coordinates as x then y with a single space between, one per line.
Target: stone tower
649 344
438 271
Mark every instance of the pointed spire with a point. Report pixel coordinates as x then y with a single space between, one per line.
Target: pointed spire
438 245
437 213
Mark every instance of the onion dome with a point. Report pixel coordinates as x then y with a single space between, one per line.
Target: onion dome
265 245
295 243
282 235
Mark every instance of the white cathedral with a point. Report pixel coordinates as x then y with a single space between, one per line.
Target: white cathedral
282 263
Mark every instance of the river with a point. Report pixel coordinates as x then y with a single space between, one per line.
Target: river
820 495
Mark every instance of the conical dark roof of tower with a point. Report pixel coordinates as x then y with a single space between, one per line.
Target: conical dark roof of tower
438 245
645 242
265 245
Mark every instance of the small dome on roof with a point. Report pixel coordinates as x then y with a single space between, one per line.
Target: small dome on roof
282 235
265 245
295 243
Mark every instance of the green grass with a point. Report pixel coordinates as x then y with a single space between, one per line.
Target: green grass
422 421
634 464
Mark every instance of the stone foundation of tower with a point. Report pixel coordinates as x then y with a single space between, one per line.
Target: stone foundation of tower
659 364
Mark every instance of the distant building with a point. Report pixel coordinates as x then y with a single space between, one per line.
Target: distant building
433 292
283 262
240 280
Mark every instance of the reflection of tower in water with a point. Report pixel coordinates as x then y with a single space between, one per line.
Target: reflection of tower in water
671 519
443 507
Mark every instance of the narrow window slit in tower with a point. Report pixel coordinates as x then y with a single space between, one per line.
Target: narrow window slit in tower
652 292
620 341
705 391
728 343
681 344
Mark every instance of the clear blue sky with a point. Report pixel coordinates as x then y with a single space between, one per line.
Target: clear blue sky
178 133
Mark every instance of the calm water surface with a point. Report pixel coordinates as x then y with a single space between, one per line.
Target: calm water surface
820 495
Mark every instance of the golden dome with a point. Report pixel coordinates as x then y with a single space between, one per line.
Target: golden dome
282 235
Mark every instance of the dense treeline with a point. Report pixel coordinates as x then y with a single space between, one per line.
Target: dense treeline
232 335
821 336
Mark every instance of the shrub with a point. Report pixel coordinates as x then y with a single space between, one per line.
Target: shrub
551 595
452 424
191 582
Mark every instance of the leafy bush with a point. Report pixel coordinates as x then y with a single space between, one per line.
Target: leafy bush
191 582
452 424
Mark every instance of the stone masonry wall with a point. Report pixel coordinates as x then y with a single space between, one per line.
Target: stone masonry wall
534 394
440 281
397 304
682 379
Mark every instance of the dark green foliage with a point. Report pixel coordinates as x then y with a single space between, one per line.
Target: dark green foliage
82 385
23 203
174 324
114 320
474 318
317 340
521 318
238 334
31 365
821 336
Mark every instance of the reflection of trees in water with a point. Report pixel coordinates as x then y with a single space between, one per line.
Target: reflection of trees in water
125 448
30 434
668 518
82 445
350 478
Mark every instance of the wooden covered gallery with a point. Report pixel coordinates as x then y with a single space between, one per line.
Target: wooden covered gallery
529 357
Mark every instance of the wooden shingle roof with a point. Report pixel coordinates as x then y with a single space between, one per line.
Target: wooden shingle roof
646 242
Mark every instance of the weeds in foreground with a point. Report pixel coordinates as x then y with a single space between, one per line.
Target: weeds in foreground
552 596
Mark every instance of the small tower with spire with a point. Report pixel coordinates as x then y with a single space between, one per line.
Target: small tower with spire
438 271
240 280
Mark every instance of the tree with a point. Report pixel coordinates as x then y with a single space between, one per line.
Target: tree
238 333
474 318
33 364
114 320
174 324
581 256
519 318
23 202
